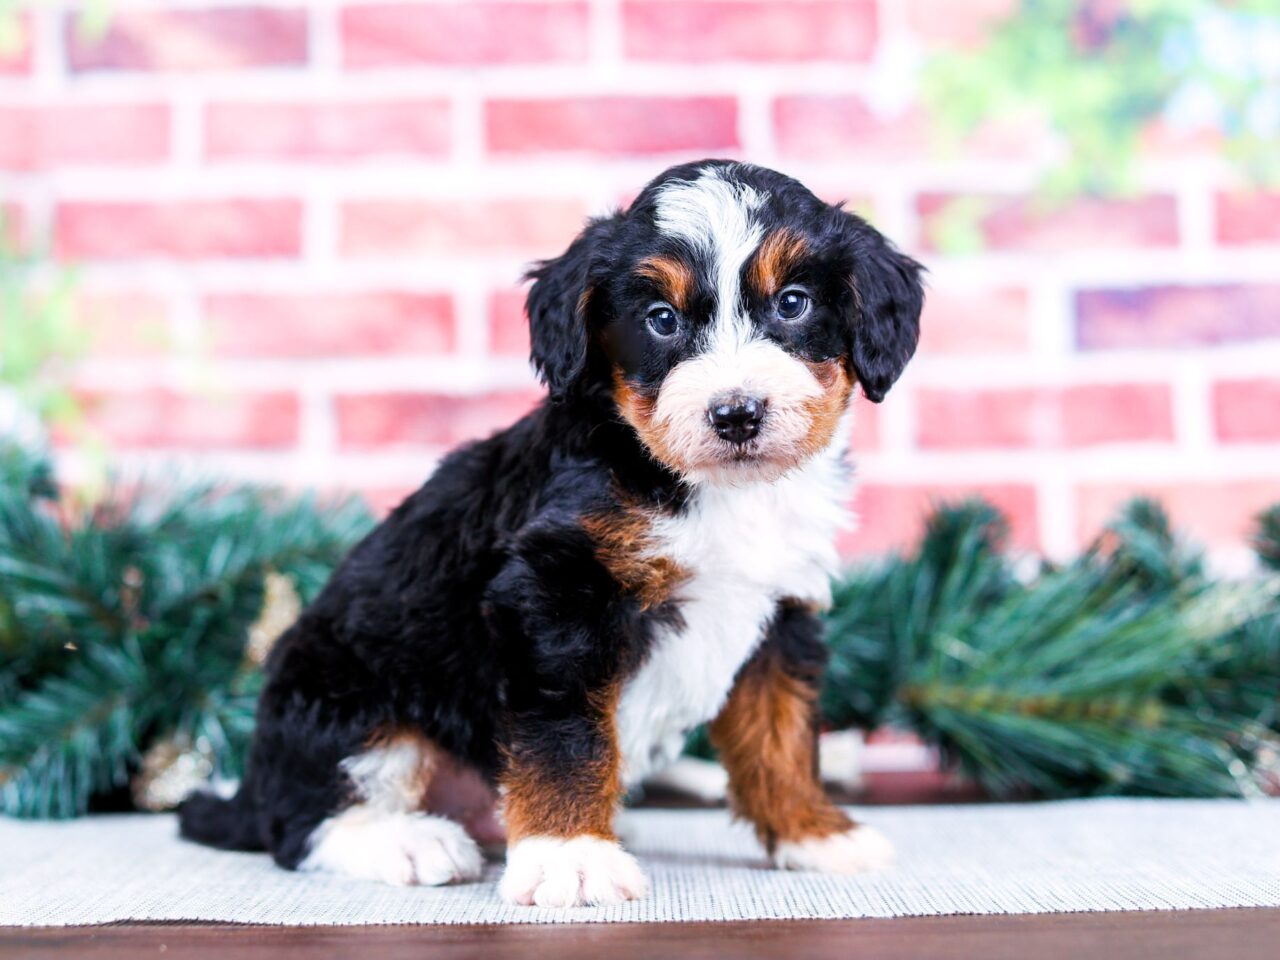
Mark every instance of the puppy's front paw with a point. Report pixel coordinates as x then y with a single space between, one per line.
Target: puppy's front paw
402 849
550 872
853 851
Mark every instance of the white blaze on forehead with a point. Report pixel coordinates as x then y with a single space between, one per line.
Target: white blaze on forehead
715 217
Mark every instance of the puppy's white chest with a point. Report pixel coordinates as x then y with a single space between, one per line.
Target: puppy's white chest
743 549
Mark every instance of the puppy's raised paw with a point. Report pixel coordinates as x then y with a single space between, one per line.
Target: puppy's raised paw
549 872
854 851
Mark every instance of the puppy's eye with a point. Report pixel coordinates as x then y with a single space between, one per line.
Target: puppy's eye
662 320
793 304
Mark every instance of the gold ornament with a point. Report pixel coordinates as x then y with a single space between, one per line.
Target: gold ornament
171 769
280 608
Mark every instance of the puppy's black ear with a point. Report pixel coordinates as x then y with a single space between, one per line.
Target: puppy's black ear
888 297
557 307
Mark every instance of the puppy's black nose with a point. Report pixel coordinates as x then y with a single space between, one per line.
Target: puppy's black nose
736 418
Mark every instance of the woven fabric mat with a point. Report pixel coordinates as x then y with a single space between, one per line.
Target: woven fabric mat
999 859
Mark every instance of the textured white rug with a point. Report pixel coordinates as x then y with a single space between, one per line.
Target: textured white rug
1045 858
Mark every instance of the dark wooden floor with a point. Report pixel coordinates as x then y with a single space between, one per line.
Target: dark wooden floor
1199 934
1192 935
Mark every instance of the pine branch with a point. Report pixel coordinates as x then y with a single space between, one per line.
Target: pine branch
74 735
125 625
1267 540
1093 708
884 616
1127 671
25 474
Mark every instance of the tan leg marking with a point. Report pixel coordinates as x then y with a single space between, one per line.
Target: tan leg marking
767 740
567 803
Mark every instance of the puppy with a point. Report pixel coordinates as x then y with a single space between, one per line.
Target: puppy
541 625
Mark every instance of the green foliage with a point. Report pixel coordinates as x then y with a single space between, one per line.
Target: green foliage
124 624
885 617
91 20
1100 73
39 332
1267 542
1127 671
10 35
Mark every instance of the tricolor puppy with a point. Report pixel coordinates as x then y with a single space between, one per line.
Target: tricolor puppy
542 623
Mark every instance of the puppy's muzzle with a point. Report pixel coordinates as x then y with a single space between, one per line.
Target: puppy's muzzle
736 417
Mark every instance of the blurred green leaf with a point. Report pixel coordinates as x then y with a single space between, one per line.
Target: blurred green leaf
1101 73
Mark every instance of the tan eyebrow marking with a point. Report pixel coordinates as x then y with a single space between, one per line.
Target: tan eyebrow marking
673 277
777 257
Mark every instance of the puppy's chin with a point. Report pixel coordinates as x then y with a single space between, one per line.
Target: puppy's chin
736 468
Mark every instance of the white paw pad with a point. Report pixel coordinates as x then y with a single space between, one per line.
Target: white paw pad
570 873
853 851
402 849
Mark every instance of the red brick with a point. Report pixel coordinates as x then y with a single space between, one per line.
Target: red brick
1247 411
382 500
124 324
844 127
15 44
411 227
329 324
367 421
1020 223
1218 513
1077 416
771 31
821 126
165 418
459 34
866 426
978 321
946 22
1248 218
958 419
221 38
612 125
1176 316
326 131
184 230
892 516
1117 413
54 135
508 325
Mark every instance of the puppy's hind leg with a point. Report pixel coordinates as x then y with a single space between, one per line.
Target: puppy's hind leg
384 835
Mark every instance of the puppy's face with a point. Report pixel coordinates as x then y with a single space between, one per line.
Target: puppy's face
730 313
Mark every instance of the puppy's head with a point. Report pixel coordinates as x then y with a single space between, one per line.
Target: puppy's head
730 313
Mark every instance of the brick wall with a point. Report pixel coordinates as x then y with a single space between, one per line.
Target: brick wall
299 227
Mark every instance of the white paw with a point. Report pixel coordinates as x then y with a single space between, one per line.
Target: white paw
570 873
853 851
402 849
